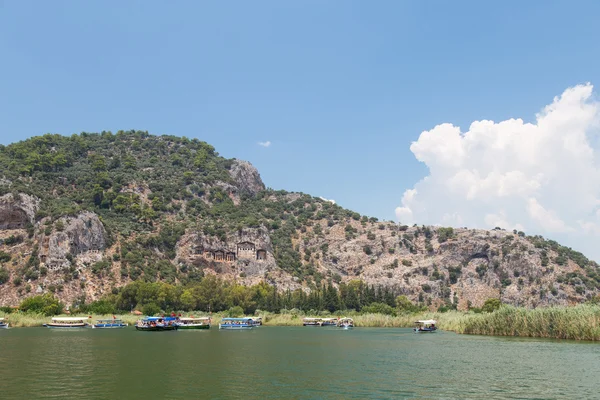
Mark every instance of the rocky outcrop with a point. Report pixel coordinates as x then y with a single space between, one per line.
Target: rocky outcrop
72 236
246 177
246 255
16 212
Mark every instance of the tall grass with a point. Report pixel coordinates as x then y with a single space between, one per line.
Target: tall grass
581 322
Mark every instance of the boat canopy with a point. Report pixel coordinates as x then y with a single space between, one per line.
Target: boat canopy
194 319
330 319
69 319
426 321
346 319
236 319
108 320
1 319
313 319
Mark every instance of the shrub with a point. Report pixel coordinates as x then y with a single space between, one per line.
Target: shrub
367 250
235 312
379 308
491 305
151 309
4 257
407 263
4 275
43 304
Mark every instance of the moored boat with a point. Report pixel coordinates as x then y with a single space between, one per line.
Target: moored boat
256 321
236 323
67 322
3 323
329 322
312 322
346 323
194 323
425 325
109 324
152 324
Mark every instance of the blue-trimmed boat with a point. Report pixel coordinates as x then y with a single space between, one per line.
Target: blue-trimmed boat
152 324
109 324
236 323
3 324
67 323
329 322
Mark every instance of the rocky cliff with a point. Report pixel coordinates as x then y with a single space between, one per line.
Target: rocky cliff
102 210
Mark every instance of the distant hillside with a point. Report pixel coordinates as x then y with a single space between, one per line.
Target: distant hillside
81 216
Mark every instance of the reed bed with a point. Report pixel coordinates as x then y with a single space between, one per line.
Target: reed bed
581 322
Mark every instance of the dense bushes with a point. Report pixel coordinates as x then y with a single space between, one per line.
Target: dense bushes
44 304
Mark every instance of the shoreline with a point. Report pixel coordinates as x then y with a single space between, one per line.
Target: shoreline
581 322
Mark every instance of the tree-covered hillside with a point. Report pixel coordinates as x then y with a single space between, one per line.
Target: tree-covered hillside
85 215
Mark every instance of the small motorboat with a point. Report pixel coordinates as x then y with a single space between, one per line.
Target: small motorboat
68 322
425 325
194 323
3 324
109 324
154 324
346 323
236 323
311 321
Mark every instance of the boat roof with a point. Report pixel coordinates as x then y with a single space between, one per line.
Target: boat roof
108 320
194 319
426 321
236 319
329 319
347 319
67 319
312 319
1 319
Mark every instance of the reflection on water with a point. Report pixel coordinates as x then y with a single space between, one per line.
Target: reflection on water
291 362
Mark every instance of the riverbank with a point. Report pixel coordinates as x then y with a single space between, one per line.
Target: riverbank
581 322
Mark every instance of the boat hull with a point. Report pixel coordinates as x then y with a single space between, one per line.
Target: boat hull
66 326
3 326
156 328
235 327
194 327
424 330
109 326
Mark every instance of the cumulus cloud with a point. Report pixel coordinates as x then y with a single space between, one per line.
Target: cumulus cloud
541 177
265 144
328 200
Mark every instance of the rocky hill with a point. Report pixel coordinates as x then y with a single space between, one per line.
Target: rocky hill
81 216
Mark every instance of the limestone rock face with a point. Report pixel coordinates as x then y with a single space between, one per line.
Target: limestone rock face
246 177
246 254
81 234
16 212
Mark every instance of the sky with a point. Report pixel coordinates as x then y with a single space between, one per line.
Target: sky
449 113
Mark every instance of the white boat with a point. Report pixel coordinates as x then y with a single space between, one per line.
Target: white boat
312 322
346 323
236 323
425 325
3 324
329 322
194 323
68 322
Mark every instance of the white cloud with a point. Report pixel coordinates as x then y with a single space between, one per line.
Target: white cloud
543 176
328 200
265 144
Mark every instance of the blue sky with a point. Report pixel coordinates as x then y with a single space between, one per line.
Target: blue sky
339 88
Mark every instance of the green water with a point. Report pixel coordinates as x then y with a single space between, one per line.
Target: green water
291 363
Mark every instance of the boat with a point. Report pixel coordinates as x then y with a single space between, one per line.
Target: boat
346 323
157 324
236 323
194 323
3 324
68 322
257 321
109 324
329 322
425 325
312 322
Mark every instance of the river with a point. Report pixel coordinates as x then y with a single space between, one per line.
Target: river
291 363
